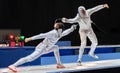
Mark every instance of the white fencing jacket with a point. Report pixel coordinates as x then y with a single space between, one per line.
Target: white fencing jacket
51 37
84 21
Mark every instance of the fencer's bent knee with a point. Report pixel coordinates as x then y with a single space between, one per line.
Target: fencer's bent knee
95 43
56 47
37 47
83 43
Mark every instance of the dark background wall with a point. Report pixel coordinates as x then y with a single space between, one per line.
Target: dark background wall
37 16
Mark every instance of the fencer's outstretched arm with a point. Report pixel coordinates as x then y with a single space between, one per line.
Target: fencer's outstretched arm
72 20
97 8
39 36
67 31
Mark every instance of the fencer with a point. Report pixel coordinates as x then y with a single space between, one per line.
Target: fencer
46 46
85 29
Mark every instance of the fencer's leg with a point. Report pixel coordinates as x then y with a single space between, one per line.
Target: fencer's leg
57 56
38 51
83 45
28 58
91 35
21 61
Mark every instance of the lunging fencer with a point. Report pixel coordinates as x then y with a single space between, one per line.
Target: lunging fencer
85 29
46 46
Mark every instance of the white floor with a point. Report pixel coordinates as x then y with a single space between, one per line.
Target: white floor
70 67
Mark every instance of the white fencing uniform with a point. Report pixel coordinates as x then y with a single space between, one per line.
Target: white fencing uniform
85 30
48 45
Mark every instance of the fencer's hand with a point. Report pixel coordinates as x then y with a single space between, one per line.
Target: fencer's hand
64 19
27 40
74 26
106 5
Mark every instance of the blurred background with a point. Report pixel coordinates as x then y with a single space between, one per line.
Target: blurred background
31 17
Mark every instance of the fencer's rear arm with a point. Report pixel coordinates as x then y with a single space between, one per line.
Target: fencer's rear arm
97 8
